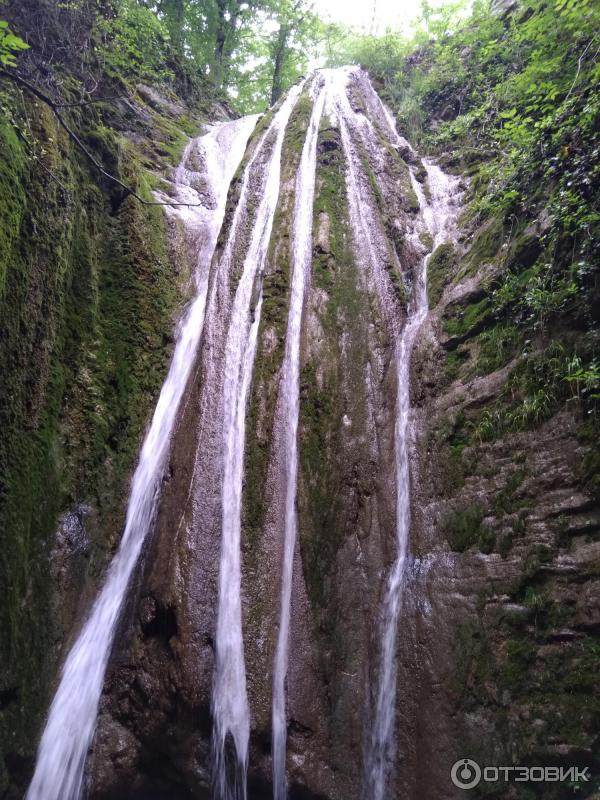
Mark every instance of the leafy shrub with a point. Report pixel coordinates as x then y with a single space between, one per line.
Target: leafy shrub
464 528
137 43
10 45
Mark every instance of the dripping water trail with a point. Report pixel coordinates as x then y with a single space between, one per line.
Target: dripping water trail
62 752
358 133
231 717
438 218
301 260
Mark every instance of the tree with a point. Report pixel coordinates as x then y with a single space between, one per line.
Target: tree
174 13
438 21
232 18
296 34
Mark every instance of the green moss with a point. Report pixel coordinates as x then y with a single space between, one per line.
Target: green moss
400 171
85 320
439 270
334 273
275 291
537 555
326 465
426 240
472 661
318 449
421 172
13 171
461 322
452 442
505 543
485 247
394 234
455 361
173 136
536 696
505 501
464 528
518 657
523 251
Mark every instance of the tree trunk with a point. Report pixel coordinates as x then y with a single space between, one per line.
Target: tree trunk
175 19
224 39
278 62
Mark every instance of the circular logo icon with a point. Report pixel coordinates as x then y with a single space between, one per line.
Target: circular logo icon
466 773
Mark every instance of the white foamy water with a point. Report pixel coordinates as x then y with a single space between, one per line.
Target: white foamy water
71 721
231 716
437 215
358 133
290 387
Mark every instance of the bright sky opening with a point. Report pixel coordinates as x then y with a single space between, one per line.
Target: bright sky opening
371 16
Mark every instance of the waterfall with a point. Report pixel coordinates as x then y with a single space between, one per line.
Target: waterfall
230 703
231 293
358 132
438 218
290 388
72 718
368 248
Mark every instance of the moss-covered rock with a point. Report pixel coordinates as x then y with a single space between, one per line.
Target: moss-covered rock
439 270
485 246
87 302
273 325
463 321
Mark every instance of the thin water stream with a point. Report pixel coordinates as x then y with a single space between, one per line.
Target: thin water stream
231 717
60 765
437 218
301 262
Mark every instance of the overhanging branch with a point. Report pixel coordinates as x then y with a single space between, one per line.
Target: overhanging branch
79 144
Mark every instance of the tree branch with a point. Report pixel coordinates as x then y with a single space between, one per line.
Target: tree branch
92 100
579 62
77 141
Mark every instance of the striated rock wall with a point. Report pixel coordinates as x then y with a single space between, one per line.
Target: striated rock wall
498 637
506 545
346 510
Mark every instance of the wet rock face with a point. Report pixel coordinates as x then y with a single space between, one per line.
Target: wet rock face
500 619
71 549
506 562
86 313
154 728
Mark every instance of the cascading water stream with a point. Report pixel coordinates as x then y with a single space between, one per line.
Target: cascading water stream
231 715
357 132
290 387
370 249
380 755
437 217
229 349
71 721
